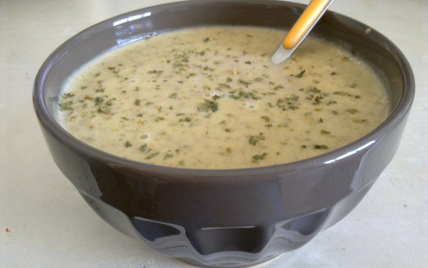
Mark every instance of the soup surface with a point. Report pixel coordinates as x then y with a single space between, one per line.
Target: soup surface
209 98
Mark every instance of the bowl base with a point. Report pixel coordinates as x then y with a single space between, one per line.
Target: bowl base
230 265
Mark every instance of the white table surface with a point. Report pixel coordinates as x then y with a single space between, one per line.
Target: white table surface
50 225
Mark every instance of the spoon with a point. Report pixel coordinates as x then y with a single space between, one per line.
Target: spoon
300 30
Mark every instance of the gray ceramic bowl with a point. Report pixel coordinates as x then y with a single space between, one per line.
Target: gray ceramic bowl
223 218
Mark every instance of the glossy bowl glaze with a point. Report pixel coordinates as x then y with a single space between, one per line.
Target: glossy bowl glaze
223 218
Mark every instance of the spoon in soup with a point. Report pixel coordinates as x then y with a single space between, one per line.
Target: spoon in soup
300 30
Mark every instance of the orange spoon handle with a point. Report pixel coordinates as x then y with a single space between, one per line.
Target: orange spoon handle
305 22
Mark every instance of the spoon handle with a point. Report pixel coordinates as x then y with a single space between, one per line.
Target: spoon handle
306 22
300 29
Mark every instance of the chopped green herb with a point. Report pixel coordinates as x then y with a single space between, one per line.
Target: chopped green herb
206 39
317 99
248 62
258 157
128 144
341 93
246 95
314 90
145 149
181 163
168 156
104 110
64 106
152 155
67 95
265 118
261 136
323 147
325 132
173 96
221 85
253 140
300 74
356 120
245 83
155 72
207 106
352 111
137 102
98 101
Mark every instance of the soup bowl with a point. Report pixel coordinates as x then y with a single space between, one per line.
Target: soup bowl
223 218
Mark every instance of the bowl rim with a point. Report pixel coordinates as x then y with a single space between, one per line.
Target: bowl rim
364 143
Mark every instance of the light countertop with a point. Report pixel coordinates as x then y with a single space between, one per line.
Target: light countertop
50 225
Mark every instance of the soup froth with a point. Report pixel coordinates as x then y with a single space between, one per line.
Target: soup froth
209 98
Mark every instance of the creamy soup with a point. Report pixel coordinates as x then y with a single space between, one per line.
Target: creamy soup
209 98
